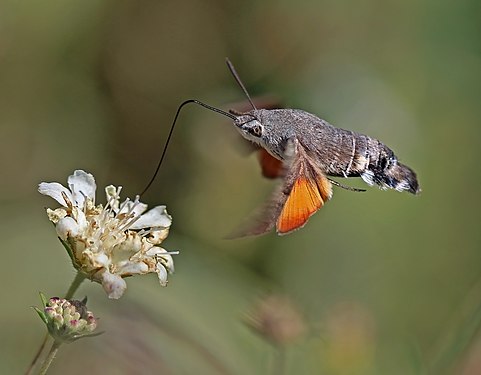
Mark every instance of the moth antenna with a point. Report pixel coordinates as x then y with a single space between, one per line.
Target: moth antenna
238 80
167 141
346 187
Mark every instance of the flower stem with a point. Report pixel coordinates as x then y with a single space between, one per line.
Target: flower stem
50 357
37 355
79 277
279 367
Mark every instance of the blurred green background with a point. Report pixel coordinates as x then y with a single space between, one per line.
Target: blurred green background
387 283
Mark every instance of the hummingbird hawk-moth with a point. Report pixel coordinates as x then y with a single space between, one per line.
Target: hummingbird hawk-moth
305 151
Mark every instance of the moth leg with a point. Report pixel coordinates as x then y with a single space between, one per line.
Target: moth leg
350 188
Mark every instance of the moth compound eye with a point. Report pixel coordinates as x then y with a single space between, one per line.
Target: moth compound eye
252 128
255 130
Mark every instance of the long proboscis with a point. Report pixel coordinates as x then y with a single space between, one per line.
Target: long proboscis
167 141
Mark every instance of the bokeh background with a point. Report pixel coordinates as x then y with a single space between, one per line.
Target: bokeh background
385 283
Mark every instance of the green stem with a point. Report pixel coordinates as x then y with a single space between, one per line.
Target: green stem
37 355
278 364
79 277
460 332
50 357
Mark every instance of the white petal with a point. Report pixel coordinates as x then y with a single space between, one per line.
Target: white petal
124 250
168 262
131 268
67 227
82 185
164 258
80 217
101 260
113 285
162 273
112 194
157 235
156 217
55 190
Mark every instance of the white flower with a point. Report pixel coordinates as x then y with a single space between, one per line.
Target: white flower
112 242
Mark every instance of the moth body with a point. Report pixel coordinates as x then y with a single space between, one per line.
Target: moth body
305 151
336 152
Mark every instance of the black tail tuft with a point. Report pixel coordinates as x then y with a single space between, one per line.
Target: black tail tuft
388 173
400 177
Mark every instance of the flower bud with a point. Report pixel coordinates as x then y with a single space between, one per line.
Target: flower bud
67 320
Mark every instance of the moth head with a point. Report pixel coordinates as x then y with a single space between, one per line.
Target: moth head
250 128
264 128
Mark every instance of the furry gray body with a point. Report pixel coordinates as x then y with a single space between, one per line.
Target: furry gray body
337 152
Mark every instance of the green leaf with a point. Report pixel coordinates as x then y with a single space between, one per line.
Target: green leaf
41 314
69 250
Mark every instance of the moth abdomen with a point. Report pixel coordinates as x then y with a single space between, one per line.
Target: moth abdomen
357 155
386 171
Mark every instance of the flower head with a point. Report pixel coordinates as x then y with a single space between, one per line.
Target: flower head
277 319
66 320
108 243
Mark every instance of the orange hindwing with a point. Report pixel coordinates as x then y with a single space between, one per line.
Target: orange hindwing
271 167
306 197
